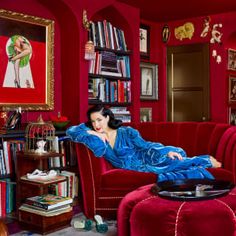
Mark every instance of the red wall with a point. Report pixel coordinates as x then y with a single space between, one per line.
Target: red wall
70 68
218 72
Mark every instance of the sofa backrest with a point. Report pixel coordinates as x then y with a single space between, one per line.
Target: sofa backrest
196 138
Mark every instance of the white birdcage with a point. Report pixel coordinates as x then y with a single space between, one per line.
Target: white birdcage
39 137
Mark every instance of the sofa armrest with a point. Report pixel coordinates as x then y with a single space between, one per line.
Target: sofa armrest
91 169
226 153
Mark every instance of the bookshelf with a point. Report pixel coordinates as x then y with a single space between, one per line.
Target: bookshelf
109 77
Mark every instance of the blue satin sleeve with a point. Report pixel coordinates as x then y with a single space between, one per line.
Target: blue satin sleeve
94 143
159 148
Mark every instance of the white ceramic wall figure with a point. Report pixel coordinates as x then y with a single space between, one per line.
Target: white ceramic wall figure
216 34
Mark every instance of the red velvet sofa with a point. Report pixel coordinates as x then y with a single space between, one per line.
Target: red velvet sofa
103 186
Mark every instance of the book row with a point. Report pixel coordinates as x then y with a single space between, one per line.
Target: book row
63 146
65 183
7 197
68 188
8 151
121 113
110 64
104 34
109 90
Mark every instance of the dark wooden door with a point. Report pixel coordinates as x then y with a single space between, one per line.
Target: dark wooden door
188 82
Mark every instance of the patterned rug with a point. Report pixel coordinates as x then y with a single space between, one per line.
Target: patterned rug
69 231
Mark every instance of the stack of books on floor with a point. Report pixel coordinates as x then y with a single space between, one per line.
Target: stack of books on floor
47 205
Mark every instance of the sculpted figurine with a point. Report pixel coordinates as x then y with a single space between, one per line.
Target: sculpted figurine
40 146
184 31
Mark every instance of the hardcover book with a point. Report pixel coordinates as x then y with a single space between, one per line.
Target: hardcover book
48 201
53 212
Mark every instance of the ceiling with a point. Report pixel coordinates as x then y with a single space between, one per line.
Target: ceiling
163 11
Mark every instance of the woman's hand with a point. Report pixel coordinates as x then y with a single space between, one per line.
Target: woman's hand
102 136
174 155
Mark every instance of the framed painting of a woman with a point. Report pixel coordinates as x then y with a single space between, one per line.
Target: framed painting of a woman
149 81
26 62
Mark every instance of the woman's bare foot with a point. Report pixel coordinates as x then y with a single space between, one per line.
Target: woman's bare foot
215 163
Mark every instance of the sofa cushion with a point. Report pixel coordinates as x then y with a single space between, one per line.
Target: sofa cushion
203 136
221 174
217 134
124 179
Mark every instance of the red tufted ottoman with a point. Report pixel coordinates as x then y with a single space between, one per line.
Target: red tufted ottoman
142 213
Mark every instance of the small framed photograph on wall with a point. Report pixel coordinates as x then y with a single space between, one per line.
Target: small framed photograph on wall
144 41
232 116
149 81
145 114
232 89
231 59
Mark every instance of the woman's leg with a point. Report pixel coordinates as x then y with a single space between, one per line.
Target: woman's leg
17 73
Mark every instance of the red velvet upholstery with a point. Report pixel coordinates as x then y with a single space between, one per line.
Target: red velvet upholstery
103 186
143 214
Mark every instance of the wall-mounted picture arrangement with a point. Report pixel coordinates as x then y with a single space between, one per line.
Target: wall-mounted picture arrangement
26 64
149 81
232 116
231 59
232 89
145 114
144 41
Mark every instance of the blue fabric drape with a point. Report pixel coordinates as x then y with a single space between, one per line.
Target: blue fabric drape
132 152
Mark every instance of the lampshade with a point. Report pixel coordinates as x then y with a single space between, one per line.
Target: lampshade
89 51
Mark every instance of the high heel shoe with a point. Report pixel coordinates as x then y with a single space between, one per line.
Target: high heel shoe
17 84
101 226
14 121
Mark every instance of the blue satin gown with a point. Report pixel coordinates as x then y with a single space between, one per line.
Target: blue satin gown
132 152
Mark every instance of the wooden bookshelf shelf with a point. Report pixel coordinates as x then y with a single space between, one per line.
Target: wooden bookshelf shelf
109 77
117 104
117 52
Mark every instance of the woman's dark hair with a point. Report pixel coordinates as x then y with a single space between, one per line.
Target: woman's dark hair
112 123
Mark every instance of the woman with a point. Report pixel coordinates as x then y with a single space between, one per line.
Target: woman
124 148
19 52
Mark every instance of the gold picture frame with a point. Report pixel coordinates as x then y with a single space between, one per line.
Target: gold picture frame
27 74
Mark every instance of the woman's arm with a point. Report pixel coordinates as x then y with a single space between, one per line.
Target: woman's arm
93 140
102 136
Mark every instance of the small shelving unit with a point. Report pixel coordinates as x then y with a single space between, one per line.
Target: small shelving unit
27 163
22 163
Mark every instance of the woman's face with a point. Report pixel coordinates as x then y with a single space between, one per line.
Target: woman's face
99 122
